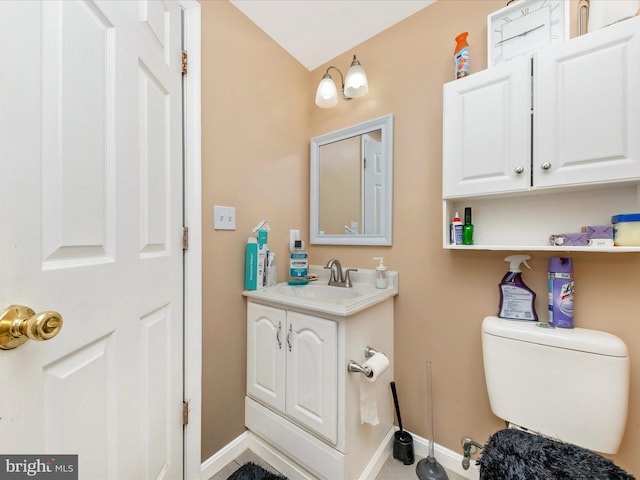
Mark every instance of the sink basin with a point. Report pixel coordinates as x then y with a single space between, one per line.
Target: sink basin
319 292
318 297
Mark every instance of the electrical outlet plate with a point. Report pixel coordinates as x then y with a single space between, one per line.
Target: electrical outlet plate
224 218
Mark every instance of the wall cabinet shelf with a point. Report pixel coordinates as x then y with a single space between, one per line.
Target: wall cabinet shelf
546 144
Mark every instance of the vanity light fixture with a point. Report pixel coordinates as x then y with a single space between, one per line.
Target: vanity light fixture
353 86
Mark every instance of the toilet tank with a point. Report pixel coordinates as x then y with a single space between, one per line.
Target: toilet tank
567 384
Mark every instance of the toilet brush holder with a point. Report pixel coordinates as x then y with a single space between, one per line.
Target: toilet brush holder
402 440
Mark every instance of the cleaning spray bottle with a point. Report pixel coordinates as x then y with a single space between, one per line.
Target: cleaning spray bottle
517 301
461 57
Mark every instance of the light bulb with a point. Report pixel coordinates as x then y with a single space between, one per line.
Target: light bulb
326 94
356 84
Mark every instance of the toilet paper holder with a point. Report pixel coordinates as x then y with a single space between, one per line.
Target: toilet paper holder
364 369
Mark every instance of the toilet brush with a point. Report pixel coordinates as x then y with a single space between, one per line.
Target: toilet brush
428 468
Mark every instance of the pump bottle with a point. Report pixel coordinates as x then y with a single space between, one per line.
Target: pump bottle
517 301
381 273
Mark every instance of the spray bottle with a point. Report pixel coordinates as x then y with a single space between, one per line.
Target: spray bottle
461 57
517 301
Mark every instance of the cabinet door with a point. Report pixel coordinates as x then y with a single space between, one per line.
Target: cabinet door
587 108
312 373
266 355
487 131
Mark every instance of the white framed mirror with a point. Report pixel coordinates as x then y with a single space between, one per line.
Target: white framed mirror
352 185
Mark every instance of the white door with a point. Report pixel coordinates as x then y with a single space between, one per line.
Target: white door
587 108
487 131
373 188
91 210
312 373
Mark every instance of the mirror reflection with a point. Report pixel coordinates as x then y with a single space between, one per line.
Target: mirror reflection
351 185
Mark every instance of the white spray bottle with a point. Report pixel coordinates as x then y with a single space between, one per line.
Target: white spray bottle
517 301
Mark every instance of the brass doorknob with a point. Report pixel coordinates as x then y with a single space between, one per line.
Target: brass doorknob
19 323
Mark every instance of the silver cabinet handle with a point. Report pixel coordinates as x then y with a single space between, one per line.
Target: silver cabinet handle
519 170
289 336
546 166
278 335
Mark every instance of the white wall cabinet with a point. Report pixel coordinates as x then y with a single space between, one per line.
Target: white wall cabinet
487 131
559 130
300 397
292 366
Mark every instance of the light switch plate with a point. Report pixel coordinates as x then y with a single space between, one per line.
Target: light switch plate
224 218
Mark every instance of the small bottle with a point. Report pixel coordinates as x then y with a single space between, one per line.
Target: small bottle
381 273
455 231
467 228
263 248
298 265
461 57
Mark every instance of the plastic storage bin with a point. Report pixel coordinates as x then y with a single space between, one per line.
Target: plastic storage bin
626 229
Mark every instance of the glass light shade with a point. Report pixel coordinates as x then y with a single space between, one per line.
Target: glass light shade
327 94
356 84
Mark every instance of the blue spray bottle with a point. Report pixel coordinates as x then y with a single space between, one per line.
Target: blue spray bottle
517 301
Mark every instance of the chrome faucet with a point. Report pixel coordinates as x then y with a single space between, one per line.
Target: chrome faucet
336 278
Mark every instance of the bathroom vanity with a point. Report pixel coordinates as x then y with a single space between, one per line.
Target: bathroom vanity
300 396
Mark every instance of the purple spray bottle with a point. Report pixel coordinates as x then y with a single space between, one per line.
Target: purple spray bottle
517 301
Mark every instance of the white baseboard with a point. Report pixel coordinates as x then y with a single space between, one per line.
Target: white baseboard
224 456
449 459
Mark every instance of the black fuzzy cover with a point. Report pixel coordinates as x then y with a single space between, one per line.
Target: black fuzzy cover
513 454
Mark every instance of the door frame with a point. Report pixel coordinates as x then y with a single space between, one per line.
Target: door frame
192 362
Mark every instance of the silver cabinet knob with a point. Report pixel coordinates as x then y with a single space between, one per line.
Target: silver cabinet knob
519 170
546 166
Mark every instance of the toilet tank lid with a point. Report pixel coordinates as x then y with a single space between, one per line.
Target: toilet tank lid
580 339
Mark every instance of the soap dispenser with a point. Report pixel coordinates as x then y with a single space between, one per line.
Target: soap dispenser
381 273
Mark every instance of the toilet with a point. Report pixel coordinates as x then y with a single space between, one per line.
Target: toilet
570 385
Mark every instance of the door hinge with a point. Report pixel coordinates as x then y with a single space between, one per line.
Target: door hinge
185 413
184 61
185 238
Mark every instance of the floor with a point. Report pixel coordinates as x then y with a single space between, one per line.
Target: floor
391 470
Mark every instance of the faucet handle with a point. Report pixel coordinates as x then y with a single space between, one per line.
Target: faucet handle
347 277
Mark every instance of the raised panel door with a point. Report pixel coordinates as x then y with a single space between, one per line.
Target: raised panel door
312 373
91 140
487 131
587 109
266 345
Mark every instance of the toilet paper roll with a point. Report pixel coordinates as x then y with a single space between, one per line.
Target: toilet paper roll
369 389
378 364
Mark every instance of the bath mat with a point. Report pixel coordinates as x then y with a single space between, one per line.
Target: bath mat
513 454
251 471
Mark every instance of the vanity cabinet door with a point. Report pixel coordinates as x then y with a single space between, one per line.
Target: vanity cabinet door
487 131
312 373
587 108
266 354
